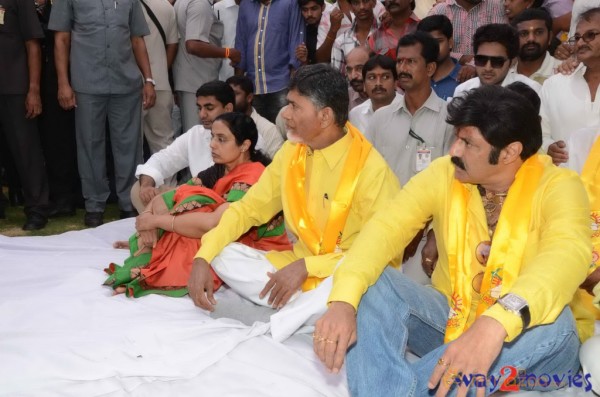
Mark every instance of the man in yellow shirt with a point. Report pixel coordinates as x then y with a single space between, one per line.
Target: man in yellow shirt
514 246
327 179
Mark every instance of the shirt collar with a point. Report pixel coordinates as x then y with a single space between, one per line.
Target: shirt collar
433 103
333 153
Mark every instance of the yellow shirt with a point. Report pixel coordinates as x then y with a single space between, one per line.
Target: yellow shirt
376 185
555 260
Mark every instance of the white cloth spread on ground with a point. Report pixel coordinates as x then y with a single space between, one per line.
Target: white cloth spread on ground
63 334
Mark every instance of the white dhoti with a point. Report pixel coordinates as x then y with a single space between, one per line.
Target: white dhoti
589 355
245 269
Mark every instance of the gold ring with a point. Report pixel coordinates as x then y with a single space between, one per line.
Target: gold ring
442 362
330 341
428 260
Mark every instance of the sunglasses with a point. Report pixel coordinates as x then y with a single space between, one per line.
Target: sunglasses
587 37
482 60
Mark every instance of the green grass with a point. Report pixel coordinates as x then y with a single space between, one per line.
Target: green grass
15 219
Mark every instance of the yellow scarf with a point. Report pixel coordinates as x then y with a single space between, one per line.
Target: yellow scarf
590 175
507 249
327 241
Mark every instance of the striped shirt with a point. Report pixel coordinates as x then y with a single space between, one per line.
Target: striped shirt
465 23
346 43
267 37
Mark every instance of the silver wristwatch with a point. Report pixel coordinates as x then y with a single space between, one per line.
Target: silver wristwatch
516 305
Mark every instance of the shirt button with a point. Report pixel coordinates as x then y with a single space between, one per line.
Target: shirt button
108 46
259 70
259 56
407 147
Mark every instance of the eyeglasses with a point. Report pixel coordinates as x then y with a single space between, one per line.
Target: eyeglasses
482 60
588 36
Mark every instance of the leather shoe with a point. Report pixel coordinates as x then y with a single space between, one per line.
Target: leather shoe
93 219
127 214
35 222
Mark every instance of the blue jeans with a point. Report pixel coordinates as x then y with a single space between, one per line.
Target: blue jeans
396 313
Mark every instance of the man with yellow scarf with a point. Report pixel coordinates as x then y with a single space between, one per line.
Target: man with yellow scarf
327 179
514 247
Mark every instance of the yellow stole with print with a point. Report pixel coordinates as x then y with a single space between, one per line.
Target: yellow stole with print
508 245
326 241
590 175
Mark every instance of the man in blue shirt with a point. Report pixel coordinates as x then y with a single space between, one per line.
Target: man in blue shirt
267 34
445 78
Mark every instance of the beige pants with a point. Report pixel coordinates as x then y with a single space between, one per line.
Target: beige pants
135 195
156 122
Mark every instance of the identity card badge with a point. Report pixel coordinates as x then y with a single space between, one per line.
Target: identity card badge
423 158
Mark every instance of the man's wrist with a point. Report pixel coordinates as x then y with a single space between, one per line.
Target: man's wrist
146 181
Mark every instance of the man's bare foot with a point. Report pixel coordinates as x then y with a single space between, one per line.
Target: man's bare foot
121 245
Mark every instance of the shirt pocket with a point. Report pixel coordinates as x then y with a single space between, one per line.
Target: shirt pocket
88 14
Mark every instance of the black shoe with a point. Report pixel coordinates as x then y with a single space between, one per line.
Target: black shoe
62 210
93 219
35 222
127 214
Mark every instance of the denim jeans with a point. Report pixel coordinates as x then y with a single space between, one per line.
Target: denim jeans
396 313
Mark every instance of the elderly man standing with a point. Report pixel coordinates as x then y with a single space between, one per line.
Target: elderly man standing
103 40
507 221
328 181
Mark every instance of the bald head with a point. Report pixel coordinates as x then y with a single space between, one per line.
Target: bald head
355 61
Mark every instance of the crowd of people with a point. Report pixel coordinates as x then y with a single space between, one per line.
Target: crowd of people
323 145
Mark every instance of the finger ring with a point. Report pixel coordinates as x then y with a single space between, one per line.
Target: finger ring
428 260
318 338
330 341
443 362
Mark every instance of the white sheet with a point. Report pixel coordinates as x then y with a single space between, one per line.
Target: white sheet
63 334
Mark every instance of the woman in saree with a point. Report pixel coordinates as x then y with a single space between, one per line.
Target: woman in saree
169 229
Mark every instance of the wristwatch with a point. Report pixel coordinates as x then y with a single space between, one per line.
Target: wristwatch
151 81
516 305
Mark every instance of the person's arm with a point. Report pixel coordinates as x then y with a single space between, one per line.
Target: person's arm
171 54
141 57
561 24
62 49
33 101
170 160
193 224
323 53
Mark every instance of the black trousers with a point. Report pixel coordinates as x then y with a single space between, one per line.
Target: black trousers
24 144
57 133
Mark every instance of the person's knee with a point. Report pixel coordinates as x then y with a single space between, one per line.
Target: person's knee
135 198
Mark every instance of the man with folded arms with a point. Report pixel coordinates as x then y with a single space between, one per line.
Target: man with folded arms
514 247
327 179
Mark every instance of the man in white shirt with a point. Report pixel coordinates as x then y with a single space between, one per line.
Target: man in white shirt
355 60
191 149
495 46
569 102
379 76
161 44
227 12
534 27
270 138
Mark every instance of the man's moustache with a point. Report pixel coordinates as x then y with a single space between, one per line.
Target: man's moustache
407 75
458 162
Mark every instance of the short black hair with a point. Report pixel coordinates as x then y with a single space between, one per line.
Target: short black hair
528 92
219 89
324 86
383 62
430 48
502 115
302 3
243 82
500 33
436 22
533 14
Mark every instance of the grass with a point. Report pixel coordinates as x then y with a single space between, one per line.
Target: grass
15 219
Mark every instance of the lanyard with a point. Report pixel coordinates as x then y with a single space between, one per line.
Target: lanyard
417 137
